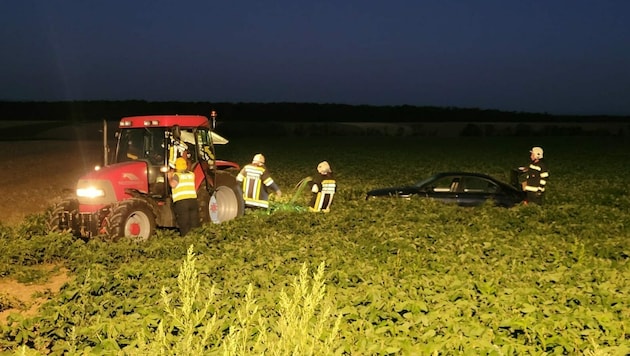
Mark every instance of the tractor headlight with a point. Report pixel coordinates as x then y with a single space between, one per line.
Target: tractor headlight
90 192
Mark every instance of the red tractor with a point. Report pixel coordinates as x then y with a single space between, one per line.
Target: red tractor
130 196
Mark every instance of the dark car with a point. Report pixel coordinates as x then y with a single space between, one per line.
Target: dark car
461 188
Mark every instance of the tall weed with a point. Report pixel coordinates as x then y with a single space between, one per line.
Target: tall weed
304 325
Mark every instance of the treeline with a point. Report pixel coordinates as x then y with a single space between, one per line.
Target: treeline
85 111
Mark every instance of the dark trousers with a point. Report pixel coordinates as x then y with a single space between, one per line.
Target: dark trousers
535 197
187 215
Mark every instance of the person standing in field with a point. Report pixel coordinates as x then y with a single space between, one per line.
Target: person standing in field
323 188
536 174
256 183
182 182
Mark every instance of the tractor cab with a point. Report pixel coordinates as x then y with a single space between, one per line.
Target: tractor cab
159 147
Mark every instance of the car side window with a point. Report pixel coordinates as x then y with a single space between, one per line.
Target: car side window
446 184
478 185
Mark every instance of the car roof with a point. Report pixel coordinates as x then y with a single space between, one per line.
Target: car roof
455 173
462 173
466 174
470 174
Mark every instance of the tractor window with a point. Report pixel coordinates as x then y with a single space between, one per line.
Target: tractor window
141 143
188 138
206 149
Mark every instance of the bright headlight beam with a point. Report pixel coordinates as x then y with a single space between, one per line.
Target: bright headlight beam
90 192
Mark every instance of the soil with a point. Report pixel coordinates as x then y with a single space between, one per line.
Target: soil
36 172
26 298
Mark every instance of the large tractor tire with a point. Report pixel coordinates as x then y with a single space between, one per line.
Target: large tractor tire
63 216
132 218
226 203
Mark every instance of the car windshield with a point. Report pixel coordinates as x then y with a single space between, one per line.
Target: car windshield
424 181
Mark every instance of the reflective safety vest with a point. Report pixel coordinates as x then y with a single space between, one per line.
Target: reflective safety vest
325 196
185 188
252 178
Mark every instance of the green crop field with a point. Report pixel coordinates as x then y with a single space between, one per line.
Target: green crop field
379 277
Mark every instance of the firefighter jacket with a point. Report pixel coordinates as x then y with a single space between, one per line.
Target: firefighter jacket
537 175
255 179
185 188
177 149
323 188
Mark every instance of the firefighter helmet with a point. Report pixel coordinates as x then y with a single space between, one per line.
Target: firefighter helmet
323 167
181 164
259 158
537 152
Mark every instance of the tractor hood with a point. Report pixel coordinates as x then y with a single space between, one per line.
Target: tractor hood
108 184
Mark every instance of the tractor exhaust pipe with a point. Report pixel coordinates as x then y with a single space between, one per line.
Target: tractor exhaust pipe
105 146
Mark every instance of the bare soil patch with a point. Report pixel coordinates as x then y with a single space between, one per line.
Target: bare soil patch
26 298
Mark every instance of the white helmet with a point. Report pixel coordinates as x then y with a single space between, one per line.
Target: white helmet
537 152
259 158
323 167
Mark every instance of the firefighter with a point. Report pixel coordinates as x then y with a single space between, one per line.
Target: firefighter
256 182
536 175
178 149
323 188
182 182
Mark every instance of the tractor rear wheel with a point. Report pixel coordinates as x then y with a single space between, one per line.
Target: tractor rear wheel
225 204
131 218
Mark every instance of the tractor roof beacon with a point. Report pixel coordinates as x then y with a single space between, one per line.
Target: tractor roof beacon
129 195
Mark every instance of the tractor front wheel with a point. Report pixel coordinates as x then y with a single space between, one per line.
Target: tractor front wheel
131 218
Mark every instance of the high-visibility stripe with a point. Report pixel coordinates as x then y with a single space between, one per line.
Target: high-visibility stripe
329 186
185 188
530 188
257 203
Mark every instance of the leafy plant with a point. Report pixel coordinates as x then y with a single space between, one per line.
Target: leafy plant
406 276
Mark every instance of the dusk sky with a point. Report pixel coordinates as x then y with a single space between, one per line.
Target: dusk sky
558 57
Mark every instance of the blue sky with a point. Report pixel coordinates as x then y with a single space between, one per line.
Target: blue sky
559 57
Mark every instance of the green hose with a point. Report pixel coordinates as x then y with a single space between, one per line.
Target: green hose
299 188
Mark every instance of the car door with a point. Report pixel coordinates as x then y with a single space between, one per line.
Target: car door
474 191
444 189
